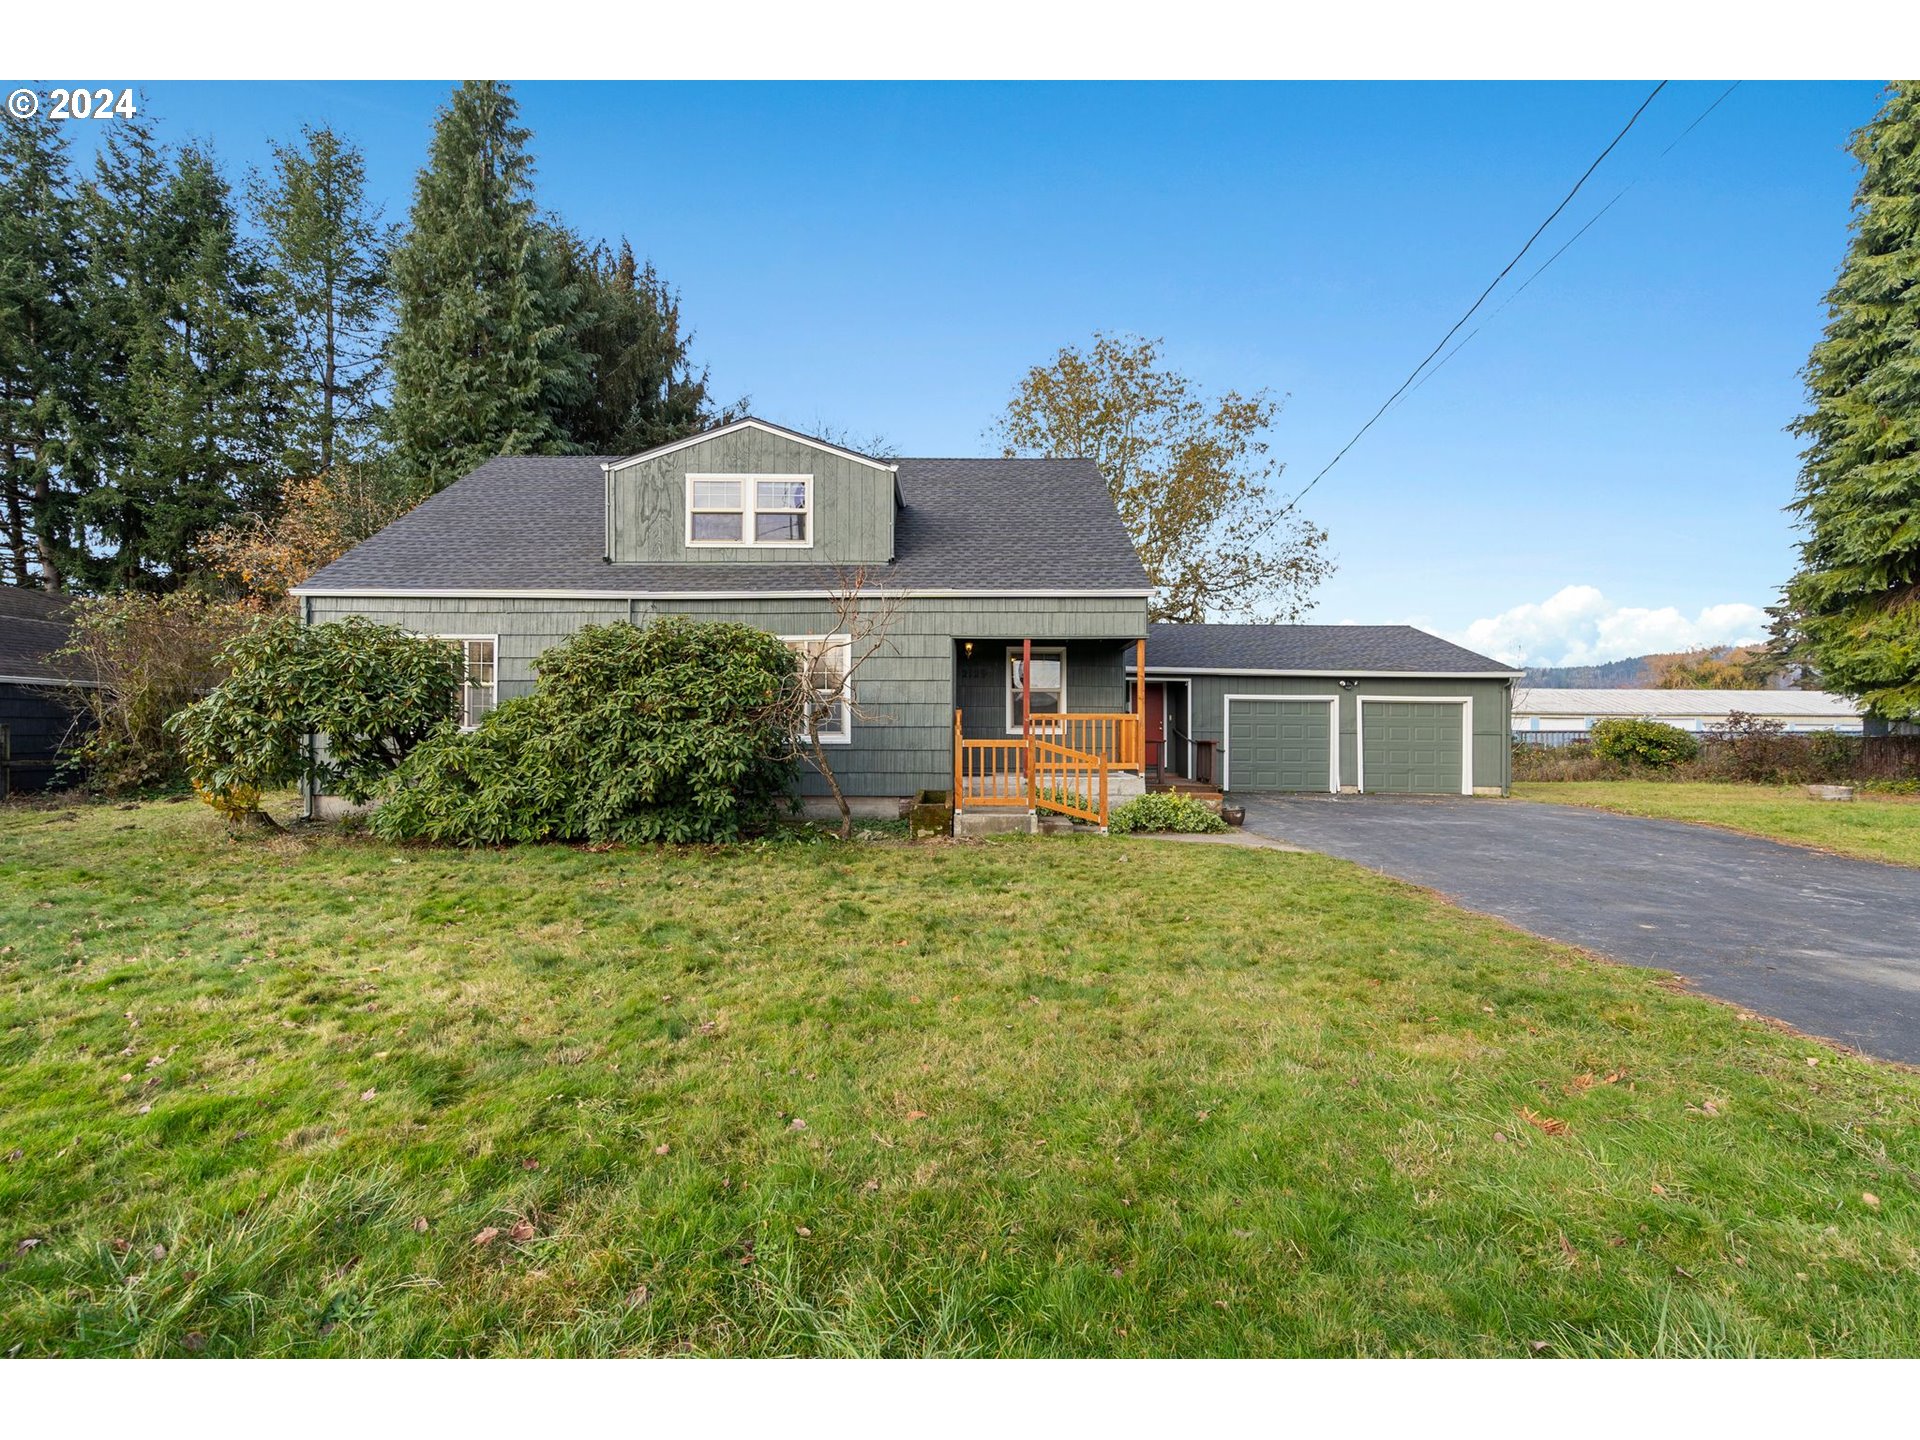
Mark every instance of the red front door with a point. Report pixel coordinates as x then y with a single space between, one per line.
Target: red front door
1156 725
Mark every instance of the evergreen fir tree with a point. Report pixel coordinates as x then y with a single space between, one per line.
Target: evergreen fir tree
188 413
325 256
642 387
483 354
40 269
120 213
1856 599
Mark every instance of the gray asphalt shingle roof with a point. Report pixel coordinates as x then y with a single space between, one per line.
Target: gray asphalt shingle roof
33 624
1311 647
537 523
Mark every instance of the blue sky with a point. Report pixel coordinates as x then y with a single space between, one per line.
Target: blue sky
1600 471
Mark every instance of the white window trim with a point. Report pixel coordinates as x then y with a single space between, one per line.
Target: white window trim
1006 682
1465 702
843 642
749 494
1332 702
493 688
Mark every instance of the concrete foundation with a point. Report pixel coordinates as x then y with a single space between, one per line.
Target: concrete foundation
864 807
979 824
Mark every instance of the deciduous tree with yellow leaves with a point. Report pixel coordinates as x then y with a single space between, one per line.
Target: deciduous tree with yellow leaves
1190 474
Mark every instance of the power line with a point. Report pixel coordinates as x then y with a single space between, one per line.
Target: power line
1618 197
1455 328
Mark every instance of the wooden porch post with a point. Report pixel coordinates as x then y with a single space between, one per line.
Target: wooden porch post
1140 703
1026 710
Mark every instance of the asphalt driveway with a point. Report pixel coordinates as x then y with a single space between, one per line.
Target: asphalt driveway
1829 945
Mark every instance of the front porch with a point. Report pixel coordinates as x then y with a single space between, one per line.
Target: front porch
1023 747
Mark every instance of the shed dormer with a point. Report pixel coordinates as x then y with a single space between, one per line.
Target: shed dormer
751 493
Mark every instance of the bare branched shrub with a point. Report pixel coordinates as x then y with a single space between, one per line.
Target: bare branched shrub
149 656
825 699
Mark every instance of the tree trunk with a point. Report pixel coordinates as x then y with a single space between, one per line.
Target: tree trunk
826 770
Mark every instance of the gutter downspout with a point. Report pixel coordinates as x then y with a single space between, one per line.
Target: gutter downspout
308 798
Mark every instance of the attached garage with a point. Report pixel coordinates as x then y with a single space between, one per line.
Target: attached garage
1412 746
1384 709
1282 742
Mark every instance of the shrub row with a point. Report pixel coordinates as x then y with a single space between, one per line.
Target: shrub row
1748 749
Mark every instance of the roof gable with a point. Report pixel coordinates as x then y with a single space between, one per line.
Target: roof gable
750 422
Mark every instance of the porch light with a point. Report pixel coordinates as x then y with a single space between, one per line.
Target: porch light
966 648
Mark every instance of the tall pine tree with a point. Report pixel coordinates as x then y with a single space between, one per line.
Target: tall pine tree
186 410
483 355
643 389
325 257
40 272
1855 602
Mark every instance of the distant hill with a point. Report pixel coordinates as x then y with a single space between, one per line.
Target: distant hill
1633 673
1643 672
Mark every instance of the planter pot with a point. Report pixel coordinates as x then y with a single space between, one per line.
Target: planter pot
931 815
1233 814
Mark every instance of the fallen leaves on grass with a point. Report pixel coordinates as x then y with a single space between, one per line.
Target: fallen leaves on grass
420 1225
487 1236
1869 1199
1545 1124
521 1232
1586 1080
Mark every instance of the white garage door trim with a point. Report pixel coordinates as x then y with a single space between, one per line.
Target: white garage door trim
1332 702
1466 732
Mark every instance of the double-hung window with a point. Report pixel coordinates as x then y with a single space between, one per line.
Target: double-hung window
750 510
479 686
1045 689
824 660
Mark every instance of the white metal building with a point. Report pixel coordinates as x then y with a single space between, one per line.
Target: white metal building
1544 711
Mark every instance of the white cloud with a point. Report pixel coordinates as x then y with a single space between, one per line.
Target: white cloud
1580 626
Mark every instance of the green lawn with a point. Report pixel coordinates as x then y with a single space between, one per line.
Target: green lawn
1057 1097
1882 828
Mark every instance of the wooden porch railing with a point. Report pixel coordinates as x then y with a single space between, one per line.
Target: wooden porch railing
988 772
1061 764
1117 738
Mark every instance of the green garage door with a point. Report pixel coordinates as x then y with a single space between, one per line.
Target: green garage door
1411 748
1278 745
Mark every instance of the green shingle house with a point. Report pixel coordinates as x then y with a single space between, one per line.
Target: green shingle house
1019 624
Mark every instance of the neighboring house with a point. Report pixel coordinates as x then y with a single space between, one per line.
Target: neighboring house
1022 607
1548 717
39 717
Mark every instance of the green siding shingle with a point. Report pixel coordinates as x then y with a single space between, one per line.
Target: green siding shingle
853 504
908 686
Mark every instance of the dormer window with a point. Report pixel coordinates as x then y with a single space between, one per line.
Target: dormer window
771 510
